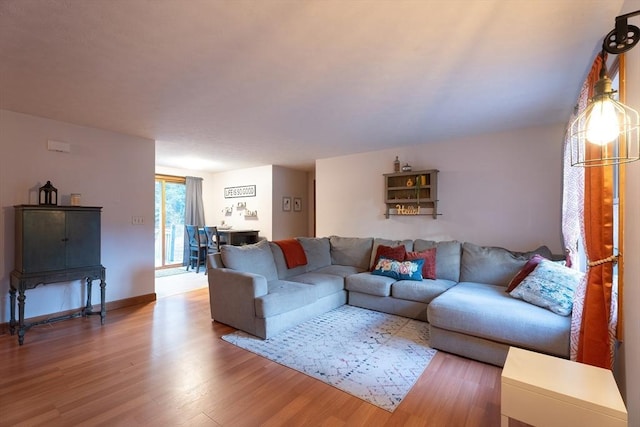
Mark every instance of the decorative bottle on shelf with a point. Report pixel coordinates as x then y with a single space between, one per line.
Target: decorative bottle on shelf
396 165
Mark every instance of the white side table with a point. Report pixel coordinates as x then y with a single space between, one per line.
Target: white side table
548 391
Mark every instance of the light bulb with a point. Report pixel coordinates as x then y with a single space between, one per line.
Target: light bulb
602 124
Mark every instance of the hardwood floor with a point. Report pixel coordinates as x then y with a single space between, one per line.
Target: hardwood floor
163 364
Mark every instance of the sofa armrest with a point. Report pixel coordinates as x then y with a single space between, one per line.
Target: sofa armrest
232 297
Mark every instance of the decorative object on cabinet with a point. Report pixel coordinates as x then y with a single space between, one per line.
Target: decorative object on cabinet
75 199
411 193
396 165
406 168
240 191
286 204
55 244
48 195
297 204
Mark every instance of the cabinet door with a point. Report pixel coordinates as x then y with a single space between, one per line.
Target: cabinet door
83 234
43 236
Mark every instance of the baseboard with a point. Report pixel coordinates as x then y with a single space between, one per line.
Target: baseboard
111 305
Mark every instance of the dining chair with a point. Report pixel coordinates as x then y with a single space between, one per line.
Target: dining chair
213 239
197 247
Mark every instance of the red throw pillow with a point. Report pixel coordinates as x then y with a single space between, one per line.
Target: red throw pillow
395 253
524 272
429 266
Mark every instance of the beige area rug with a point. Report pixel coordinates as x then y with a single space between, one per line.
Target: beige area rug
374 356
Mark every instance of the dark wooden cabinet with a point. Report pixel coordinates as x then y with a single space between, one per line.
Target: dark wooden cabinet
55 244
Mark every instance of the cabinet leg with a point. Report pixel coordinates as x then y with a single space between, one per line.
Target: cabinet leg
103 306
12 320
88 309
21 328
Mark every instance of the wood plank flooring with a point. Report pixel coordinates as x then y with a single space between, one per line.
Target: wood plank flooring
164 364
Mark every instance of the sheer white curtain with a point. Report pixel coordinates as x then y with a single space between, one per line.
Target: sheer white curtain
573 232
193 209
573 217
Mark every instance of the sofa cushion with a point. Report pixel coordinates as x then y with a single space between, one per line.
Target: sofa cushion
399 270
340 270
324 284
256 258
550 285
447 257
377 242
487 311
317 250
429 266
281 264
494 265
368 283
354 251
423 291
284 296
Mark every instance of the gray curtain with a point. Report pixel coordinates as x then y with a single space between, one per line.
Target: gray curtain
193 209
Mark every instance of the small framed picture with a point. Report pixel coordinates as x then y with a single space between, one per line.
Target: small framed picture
297 204
286 204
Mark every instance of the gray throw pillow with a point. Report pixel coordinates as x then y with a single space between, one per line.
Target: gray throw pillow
493 265
317 250
352 251
447 257
256 258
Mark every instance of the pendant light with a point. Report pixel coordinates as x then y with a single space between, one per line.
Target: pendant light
611 127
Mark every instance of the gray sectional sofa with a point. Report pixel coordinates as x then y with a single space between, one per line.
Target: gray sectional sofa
468 310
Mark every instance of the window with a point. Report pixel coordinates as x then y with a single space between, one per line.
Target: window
169 220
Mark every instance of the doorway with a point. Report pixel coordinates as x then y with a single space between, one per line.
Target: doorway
170 196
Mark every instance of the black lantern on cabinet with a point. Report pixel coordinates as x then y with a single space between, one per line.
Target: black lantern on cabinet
48 194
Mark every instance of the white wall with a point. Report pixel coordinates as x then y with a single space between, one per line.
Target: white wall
290 183
111 170
629 370
500 189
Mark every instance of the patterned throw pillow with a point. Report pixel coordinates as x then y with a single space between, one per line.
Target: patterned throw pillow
551 286
429 257
399 270
390 252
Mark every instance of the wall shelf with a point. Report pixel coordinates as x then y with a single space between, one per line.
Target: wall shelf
411 193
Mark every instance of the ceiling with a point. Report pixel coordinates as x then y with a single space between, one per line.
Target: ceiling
231 84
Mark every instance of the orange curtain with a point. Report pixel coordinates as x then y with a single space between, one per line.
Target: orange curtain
594 345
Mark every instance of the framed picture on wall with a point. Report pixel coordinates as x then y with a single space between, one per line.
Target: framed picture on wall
286 204
297 204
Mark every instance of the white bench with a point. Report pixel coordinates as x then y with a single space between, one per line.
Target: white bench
548 391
